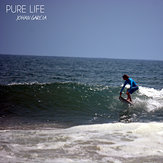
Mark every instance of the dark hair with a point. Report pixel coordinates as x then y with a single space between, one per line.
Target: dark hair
125 76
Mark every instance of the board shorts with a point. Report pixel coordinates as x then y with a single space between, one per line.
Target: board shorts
133 89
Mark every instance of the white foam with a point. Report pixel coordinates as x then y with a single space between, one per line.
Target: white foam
126 86
151 92
151 98
88 143
26 83
124 140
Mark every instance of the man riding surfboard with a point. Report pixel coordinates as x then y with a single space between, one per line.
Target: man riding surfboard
132 89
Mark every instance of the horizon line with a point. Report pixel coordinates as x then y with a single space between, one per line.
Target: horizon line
35 55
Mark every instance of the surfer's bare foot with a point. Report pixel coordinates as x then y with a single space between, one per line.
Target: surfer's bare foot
129 100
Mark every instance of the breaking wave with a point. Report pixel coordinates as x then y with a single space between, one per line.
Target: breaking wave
79 103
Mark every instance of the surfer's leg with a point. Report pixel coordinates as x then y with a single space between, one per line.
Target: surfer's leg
133 89
130 92
128 96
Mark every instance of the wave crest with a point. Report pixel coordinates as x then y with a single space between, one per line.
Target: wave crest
151 98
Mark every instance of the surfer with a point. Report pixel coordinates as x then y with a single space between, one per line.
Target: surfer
133 87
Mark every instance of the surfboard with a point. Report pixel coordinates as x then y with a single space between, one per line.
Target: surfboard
125 101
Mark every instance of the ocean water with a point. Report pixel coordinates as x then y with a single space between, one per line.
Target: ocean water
58 109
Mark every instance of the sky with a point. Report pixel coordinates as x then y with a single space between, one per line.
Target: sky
124 29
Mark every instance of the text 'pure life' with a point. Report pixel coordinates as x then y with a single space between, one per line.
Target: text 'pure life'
15 9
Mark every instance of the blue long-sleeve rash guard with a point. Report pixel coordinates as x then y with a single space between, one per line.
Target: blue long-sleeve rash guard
131 82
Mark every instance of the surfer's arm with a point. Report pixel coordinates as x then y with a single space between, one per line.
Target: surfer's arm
123 87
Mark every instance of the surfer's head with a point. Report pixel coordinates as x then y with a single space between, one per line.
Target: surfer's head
125 77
